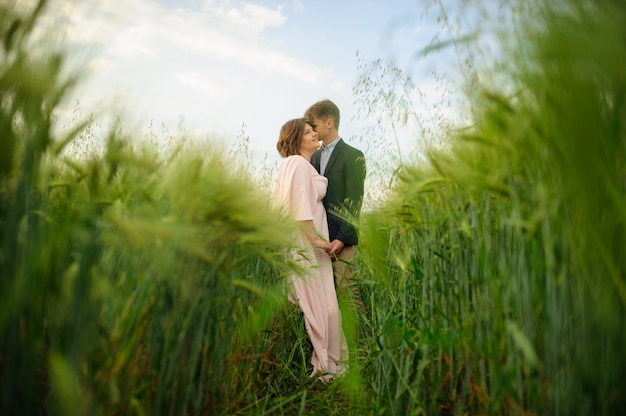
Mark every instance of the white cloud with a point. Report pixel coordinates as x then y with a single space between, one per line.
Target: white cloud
213 87
217 68
99 64
136 40
244 17
248 17
222 31
298 6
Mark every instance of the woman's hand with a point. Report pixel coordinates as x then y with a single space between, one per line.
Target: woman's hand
324 245
308 229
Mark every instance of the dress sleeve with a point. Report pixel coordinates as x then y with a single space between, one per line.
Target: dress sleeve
294 187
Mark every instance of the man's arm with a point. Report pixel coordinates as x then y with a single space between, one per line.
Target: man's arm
354 182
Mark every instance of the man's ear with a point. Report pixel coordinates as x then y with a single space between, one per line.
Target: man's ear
330 123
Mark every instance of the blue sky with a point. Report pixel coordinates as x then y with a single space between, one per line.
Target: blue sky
224 65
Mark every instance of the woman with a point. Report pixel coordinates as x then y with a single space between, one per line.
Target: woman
301 189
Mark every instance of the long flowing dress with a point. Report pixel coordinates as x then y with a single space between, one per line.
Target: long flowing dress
300 188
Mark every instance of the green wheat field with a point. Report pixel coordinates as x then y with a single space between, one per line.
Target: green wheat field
142 280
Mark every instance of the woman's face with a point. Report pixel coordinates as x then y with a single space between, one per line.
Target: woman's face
310 141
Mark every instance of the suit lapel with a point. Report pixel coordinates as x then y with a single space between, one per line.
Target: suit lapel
315 160
333 157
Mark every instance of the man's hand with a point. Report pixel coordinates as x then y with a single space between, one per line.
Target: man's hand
335 247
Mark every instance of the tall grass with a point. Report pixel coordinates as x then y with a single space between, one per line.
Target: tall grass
133 281
500 263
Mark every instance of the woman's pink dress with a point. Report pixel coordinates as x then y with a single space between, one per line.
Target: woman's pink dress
301 189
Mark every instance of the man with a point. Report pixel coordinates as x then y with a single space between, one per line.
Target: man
344 166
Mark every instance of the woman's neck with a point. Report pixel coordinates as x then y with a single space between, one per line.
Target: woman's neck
306 155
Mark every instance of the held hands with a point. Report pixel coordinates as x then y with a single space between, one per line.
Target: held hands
317 240
335 247
332 248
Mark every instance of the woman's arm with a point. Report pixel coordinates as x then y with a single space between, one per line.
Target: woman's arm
308 229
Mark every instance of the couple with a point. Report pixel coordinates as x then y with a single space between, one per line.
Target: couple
318 185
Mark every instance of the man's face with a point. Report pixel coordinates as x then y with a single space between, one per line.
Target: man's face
322 127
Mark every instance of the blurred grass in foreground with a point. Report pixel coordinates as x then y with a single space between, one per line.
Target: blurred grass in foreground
130 279
500 264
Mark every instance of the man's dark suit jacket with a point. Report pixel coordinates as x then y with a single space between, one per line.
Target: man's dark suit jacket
346 177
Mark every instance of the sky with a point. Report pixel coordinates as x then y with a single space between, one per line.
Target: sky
227 69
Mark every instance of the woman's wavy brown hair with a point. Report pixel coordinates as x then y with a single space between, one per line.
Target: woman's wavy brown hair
290 137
